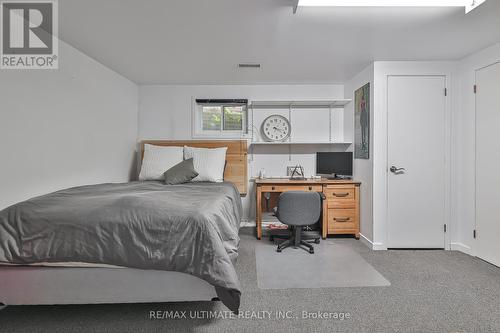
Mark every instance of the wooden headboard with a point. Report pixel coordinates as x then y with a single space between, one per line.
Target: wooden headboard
236 157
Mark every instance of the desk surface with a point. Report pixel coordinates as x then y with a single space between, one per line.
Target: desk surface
266 181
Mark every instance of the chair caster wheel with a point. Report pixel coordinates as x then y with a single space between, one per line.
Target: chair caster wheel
278 250
316 241
311 251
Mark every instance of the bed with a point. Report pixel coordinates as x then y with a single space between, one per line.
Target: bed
131 242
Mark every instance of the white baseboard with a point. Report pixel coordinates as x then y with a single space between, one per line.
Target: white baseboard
462 248
374 246
379 247
247 224
366 241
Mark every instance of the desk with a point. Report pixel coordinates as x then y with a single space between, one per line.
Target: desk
340 212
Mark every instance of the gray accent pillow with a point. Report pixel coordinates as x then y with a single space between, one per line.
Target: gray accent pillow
180 173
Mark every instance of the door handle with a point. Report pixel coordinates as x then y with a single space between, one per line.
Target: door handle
394 169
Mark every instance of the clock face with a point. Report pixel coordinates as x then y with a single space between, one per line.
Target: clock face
276 128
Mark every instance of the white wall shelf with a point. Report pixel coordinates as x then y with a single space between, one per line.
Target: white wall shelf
325 123
299 143
326 104
320 127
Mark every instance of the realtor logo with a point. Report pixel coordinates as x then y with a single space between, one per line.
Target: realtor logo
29 35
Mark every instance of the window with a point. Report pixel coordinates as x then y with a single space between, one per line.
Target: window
212 118
233 118
226 118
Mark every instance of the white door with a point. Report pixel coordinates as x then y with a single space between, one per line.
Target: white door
487 243
416 155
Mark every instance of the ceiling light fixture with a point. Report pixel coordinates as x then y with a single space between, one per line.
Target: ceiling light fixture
468 4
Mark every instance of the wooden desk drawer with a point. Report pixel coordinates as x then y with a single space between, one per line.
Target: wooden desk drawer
342 219
341 204
340 193
286 188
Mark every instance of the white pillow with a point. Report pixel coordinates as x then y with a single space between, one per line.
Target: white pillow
158 159
209 163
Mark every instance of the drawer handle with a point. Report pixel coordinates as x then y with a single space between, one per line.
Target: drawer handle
341 219
273 188
340 195
310 188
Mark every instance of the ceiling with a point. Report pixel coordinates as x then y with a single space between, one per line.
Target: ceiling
202 41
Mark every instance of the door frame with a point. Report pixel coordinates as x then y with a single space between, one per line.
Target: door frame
473 246
447 157
384 69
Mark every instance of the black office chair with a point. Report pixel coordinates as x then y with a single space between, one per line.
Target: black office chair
298 209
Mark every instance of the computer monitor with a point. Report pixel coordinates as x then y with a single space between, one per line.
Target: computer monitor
334 164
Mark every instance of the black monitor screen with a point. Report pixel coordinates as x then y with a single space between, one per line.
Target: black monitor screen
334 163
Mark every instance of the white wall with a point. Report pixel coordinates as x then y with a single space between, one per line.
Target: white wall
381 72
67 127
464 178
363 169
165 112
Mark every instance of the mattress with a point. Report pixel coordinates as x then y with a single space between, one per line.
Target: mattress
190 228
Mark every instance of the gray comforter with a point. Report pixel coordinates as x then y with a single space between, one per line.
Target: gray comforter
190 228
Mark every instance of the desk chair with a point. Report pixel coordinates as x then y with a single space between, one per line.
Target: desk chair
298 209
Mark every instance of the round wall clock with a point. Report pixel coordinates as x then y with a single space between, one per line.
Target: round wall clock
275 128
